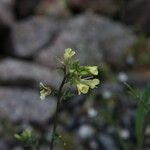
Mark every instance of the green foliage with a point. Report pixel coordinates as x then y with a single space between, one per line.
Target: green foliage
124 144
28 140
142 112
138 46
106 73
140 52
24 136
7 128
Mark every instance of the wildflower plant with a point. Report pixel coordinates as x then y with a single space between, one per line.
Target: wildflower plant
81 77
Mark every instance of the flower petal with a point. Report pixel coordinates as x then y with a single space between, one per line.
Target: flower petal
68 54
86 70
91 83
82 88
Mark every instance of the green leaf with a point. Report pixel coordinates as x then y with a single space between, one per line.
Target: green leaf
139 126
24 136
141 115
18 137
124 144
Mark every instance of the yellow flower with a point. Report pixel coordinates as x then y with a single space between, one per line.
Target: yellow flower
82 88
44 91
68 54
89 70
91 83
93 69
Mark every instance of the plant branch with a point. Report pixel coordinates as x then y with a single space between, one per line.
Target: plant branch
57 112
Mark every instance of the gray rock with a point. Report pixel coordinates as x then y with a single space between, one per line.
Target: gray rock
17 148
107 142
32 34
23 73
25 105
112 87
95 39
6 15
2 144
85 132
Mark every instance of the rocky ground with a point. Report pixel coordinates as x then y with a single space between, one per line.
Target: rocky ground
34 34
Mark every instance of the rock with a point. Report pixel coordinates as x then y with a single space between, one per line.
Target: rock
95 39
107 142
108 89
124 134
32 34
25 105
16 72
122 77
3 144
93 144
18 148
107 7
92 113
6 15
137 13
85 132
24 8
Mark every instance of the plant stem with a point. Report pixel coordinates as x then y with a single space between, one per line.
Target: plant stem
57 113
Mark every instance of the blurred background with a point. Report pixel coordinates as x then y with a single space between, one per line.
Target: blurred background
113 34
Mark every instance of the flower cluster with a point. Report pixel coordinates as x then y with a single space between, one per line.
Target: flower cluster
80 76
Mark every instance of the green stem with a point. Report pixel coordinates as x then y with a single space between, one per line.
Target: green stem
57 113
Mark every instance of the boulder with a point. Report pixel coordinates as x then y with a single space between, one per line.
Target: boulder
32 34
6 15
25 105
94 38
22 73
